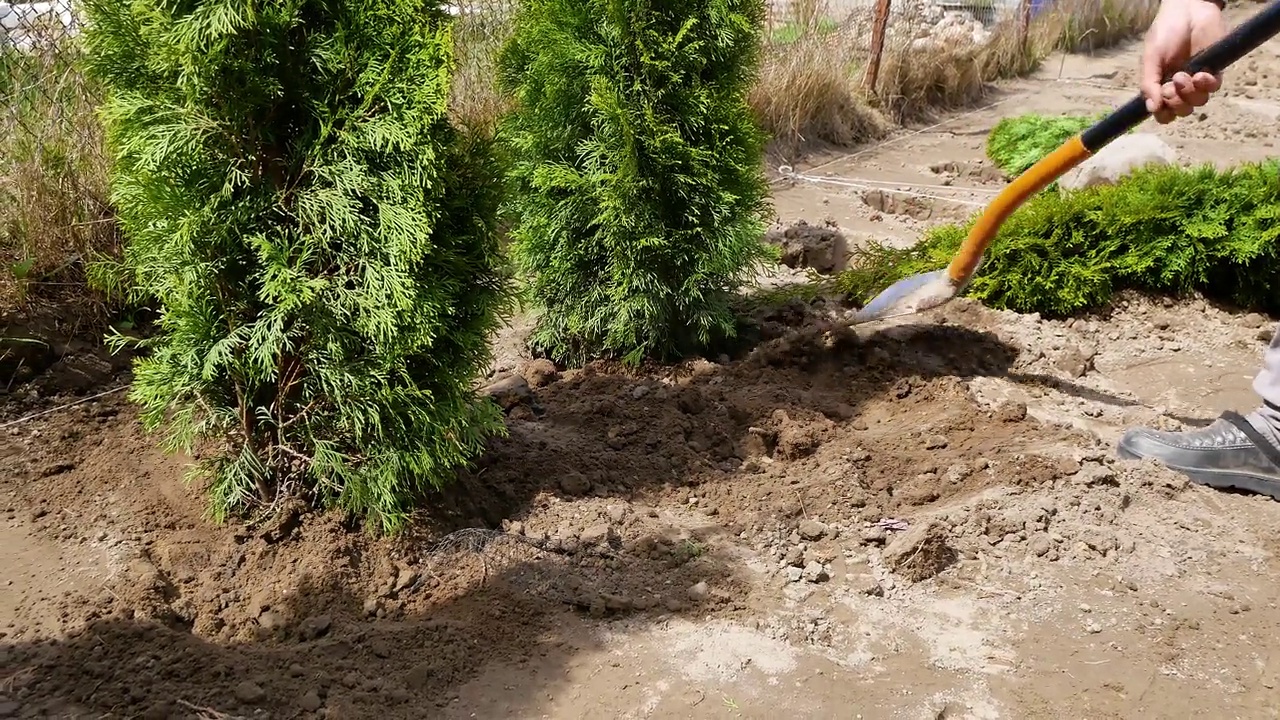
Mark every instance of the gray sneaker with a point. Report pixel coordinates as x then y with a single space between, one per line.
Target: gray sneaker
1230 453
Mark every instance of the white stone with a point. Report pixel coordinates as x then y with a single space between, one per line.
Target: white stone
1124 155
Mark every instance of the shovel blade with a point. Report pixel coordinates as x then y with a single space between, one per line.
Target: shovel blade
910 295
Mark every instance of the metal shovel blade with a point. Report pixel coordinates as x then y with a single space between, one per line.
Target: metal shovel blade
909 295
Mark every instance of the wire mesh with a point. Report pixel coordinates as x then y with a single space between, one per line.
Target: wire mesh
52 165
912 24
39 84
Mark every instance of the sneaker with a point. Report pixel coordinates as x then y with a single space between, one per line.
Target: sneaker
1230 453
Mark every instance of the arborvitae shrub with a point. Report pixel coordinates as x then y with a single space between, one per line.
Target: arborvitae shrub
319 241
639 192
1016 143
1167 229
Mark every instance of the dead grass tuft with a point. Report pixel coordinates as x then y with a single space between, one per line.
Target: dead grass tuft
55 217
811 87
809 94
1086 26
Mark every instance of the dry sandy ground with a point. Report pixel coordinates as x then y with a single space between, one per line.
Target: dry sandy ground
914 521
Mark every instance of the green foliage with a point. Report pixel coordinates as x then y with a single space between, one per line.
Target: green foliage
640 196
789 32
1166 229
1016 143
320 241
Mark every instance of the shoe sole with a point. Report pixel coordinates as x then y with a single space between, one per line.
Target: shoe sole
1221 480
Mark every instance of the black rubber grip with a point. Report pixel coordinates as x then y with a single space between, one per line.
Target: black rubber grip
1246 38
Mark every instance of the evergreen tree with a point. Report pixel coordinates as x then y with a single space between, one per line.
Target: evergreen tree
640 196
321 244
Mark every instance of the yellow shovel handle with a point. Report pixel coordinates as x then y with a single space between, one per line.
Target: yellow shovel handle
1031 181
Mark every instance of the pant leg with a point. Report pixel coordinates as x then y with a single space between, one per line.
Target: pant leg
1267 382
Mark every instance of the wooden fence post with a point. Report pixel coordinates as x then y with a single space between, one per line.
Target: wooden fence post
878 30
1024 25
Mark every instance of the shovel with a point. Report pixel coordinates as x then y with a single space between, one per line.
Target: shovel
926 291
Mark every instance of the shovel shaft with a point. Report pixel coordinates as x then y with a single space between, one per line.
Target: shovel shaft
1217 57
1031 181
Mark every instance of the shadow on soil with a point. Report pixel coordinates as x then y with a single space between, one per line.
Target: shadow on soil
319 617
608 433
327 654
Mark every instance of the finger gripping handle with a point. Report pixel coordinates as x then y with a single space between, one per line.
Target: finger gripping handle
1240 42
1246 38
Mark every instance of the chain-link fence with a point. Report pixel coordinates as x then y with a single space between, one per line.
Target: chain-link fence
52 167
39 82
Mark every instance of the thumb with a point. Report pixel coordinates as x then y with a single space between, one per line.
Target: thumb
1152 77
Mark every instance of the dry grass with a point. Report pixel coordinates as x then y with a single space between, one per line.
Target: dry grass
54 211
476 102
1091 25
809 90
811 86
810 94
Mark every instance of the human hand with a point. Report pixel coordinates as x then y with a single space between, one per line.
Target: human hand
1181 29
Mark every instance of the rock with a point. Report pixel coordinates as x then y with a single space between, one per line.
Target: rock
1094 473
1075 362
316 626
875 535
310 701
540 373
248 692
597 534
865 584
921 552
813 530
1039 545
509 391
405 578
794 574
270 620
794 556
618 513
699 592
575 483
815 573
372 606
821 248
1124 155
936 442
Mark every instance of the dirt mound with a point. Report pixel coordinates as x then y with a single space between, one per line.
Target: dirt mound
819 522
820 429
820 247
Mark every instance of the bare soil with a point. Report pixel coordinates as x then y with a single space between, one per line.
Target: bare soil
920 519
